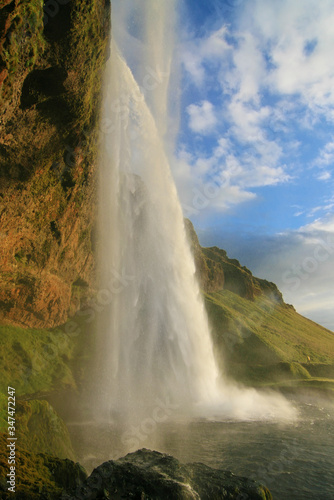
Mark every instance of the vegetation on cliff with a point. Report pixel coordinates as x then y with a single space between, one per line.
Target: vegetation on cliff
38 475
52 56
51 65
259 340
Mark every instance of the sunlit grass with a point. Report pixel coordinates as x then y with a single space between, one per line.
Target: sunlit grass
261 342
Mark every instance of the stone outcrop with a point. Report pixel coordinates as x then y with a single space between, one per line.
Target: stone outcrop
216 271
209 273
153 475
145 474
52 56
38 476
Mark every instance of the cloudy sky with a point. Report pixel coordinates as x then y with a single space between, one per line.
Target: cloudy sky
255 151
251 130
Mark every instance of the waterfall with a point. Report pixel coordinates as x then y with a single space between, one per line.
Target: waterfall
154 349
155 341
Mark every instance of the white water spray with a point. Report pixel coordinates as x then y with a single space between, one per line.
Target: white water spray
155 343
157 335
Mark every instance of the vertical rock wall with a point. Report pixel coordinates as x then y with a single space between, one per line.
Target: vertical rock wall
52 56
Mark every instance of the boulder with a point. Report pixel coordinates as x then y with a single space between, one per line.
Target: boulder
152 475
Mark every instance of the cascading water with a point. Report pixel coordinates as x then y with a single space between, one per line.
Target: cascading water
154 348
156 342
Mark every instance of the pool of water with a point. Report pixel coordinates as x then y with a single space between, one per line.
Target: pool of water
295 460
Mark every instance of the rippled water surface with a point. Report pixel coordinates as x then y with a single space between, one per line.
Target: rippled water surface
294 460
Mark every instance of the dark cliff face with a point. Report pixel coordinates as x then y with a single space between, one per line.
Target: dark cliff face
217 272
209 273
52 56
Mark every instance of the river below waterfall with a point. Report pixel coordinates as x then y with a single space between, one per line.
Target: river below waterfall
295 460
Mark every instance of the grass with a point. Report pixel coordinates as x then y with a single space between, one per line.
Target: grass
38 428
34 360
261 342
291 337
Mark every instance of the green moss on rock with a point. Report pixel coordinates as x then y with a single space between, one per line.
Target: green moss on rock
50 87
35 360
39 476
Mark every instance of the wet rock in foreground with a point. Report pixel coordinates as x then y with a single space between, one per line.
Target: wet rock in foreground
148 475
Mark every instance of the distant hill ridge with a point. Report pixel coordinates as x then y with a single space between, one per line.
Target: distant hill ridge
259 339
216 271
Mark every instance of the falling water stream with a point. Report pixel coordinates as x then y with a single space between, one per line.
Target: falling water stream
156 340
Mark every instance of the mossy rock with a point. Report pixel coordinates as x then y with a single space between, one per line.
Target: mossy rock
35 360
51 67
38 476
38 428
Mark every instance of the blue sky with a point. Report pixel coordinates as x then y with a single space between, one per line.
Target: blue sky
250 132
255 150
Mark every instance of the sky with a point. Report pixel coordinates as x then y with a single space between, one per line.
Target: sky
250 129
254 154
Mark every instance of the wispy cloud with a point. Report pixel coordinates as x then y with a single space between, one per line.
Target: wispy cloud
202 118
326 155
267 72
211 49
299 261
274 72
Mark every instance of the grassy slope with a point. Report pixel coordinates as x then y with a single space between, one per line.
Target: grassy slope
34 360
260 342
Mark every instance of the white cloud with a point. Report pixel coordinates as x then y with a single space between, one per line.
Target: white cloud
302 266
299 38
242 73
273 70
279 49
248 68
300 262
212 48
202 117
326 155
324 176
321 225
230 177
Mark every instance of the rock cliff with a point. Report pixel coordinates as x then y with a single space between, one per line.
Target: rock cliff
52 55
217 272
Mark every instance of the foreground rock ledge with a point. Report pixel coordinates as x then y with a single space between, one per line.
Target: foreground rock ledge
148 475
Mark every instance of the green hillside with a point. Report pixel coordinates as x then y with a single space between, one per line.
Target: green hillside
265 341
284 334
259 339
